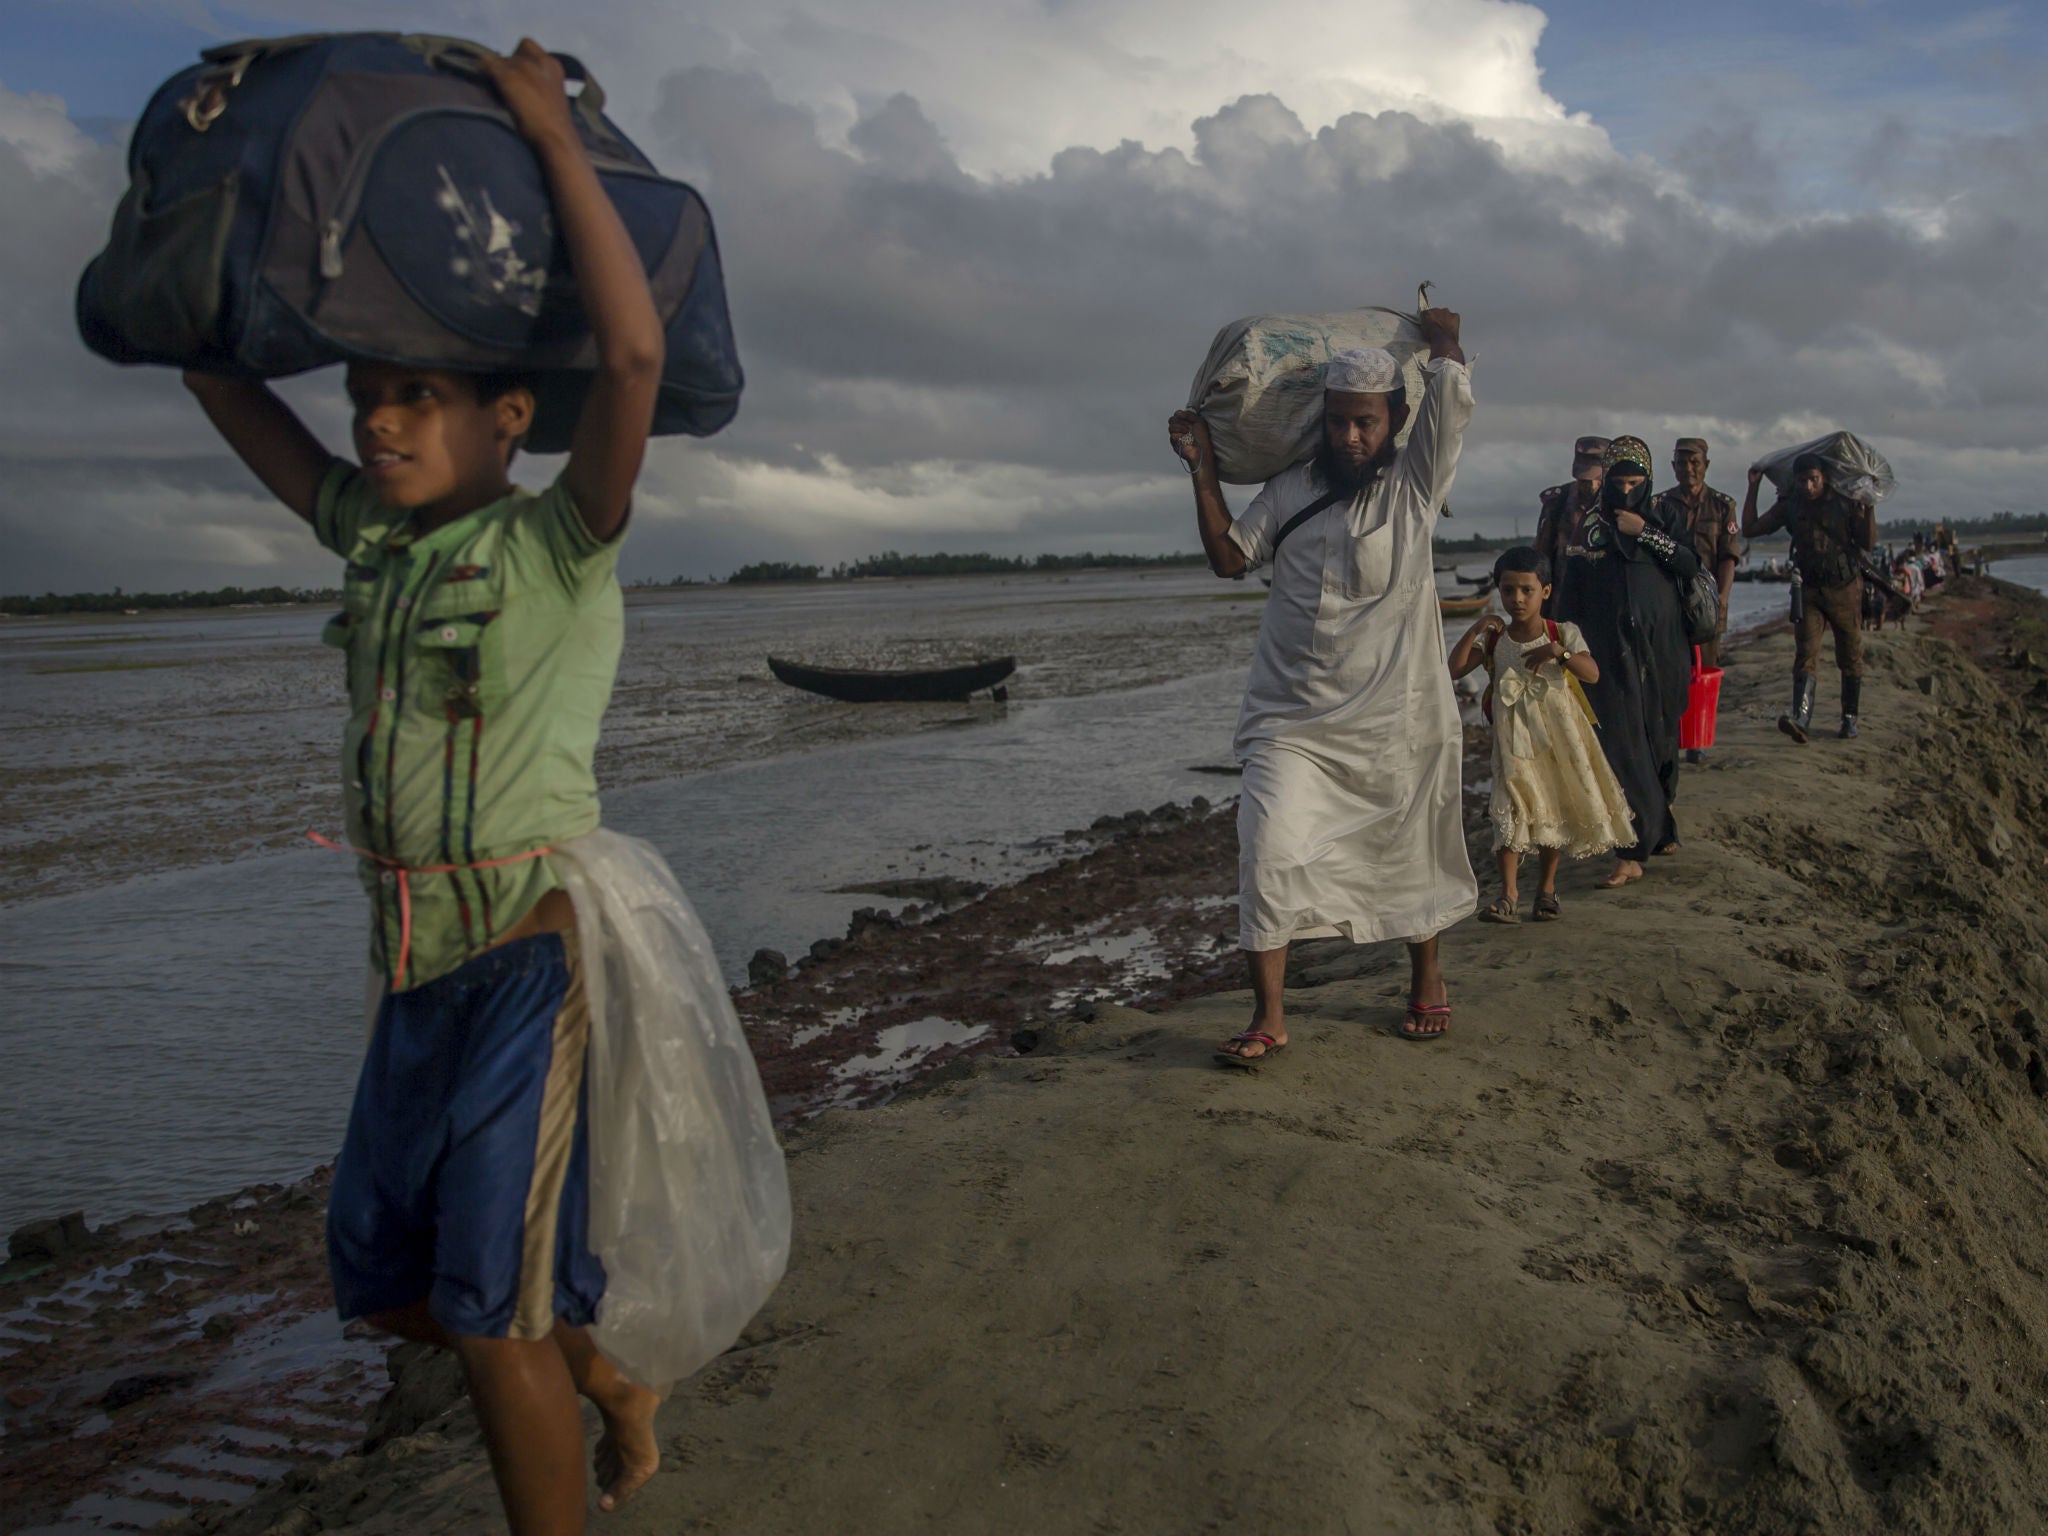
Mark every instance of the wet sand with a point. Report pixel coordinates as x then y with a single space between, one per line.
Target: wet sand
1718 1209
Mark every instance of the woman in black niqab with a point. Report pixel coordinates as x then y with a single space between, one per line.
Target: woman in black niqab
1618 585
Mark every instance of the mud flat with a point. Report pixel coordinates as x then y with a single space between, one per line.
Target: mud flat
1717 1211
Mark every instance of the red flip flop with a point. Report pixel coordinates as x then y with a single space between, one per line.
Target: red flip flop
1251 1036
1432 1011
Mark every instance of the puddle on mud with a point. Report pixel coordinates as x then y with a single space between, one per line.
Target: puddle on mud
899 1049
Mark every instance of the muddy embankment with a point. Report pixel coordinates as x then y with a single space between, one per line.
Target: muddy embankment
1717 1211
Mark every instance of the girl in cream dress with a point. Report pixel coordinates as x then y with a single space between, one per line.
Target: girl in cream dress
1553 792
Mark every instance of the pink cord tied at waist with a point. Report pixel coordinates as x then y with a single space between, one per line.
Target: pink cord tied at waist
405 872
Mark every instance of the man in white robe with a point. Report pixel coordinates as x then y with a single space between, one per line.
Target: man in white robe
1350 821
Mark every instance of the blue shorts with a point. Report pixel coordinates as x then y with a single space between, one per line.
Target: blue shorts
464 1178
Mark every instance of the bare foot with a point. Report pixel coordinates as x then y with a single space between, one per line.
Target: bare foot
627 1453
1625 872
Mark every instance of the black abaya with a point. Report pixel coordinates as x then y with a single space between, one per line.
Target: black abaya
1623 598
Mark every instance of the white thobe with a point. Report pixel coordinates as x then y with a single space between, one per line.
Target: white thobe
1350 821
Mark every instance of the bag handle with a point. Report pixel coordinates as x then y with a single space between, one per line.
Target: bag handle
466 58
226 63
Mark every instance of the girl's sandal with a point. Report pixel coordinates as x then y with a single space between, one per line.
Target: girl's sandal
1502 911
1546 907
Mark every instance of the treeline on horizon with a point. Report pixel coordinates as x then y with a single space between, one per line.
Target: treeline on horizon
894 564
118 601
1998 522
23 605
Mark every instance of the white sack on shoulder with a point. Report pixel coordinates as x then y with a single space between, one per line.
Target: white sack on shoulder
1260 389
689 1201
1854 468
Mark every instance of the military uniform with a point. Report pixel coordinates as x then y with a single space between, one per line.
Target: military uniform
1830 538
1558 516
1558 523
1551 507
1716 536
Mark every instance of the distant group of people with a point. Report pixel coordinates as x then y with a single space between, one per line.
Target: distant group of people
1923 564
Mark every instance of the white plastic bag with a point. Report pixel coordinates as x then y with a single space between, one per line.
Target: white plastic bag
1854 468
1260 389
689 1201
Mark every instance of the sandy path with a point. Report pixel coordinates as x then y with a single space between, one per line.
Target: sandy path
1719 1210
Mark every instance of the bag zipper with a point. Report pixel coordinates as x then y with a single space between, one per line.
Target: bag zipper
356 179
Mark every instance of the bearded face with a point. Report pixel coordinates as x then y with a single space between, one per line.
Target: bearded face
1349 476
1358 439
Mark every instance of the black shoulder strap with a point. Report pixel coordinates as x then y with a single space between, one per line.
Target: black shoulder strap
1328 498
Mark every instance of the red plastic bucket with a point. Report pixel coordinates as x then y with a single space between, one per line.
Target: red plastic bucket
1702 707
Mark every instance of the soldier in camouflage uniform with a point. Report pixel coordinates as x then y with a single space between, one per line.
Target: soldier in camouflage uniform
1831 535
1709 516
1562 510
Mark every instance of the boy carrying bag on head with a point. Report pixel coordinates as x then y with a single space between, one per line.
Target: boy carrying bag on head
482 627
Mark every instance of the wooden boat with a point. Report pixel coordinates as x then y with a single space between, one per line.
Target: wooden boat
855 686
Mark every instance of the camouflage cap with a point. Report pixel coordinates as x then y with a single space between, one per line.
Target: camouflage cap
1589 447
1696 445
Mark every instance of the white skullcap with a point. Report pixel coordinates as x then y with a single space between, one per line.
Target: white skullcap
1363 371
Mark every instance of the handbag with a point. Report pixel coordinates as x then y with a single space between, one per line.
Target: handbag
299 201
1699 601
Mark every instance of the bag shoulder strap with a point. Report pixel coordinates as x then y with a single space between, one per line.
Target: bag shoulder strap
1328 498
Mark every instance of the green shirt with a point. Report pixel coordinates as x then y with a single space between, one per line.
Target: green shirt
480 660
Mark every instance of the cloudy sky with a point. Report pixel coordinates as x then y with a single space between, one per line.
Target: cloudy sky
976 251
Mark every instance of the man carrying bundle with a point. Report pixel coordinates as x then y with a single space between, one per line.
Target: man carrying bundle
1349 823
482 628
1830 536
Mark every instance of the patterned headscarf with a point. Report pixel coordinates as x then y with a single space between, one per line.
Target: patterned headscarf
1626 456
1630 455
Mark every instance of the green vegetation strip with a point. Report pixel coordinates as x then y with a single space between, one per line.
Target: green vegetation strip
107 666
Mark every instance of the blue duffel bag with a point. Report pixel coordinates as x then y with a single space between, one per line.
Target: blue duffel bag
300 201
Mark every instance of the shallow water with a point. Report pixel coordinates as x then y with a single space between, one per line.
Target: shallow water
134 745
2023 571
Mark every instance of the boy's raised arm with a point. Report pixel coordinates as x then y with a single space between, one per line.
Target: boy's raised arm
611 434
272 441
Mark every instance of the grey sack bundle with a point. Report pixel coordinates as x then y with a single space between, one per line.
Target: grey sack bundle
1260 389
1854 468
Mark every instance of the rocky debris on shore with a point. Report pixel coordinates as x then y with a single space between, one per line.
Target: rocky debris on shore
1144 913
39 1242
767 967
1717 1210
939 890
173 1370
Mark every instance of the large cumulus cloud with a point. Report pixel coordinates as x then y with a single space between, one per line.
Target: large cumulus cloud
908 313
944 355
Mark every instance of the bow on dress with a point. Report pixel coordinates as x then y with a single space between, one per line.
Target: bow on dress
1525 735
